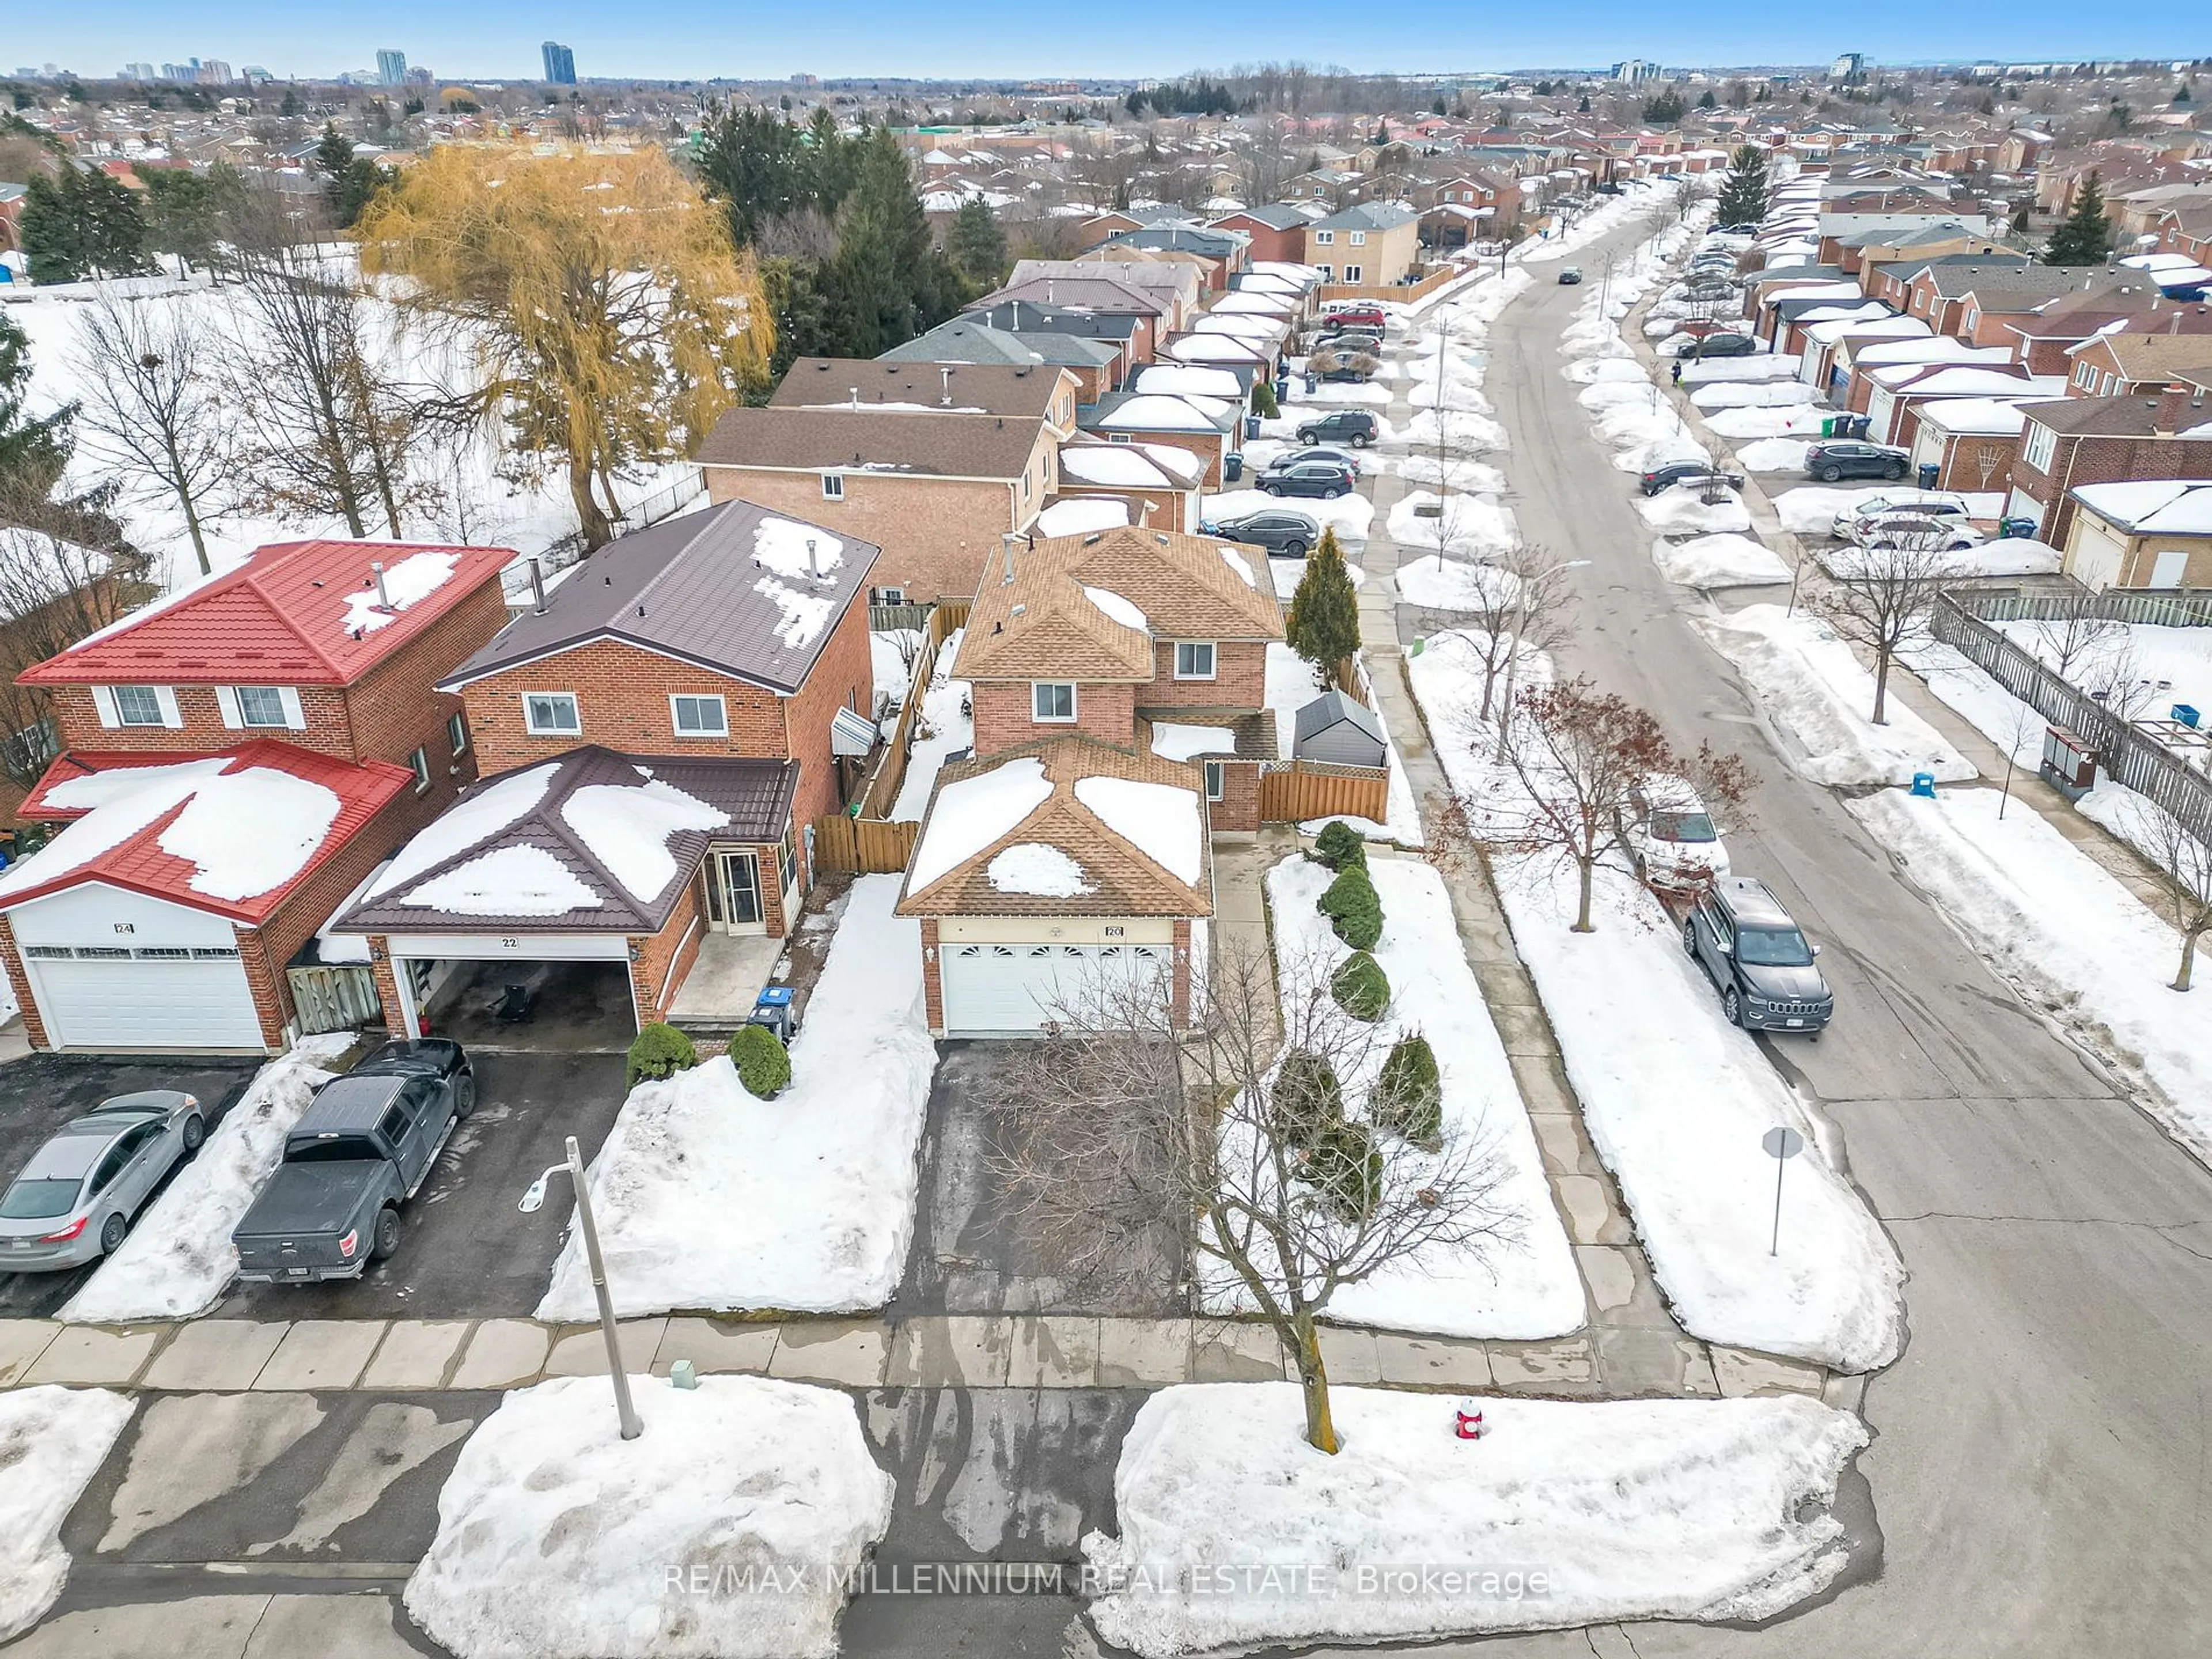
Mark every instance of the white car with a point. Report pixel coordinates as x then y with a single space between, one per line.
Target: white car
1672 836
1927 503
1916 528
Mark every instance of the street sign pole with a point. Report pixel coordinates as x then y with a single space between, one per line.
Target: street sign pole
1782 1144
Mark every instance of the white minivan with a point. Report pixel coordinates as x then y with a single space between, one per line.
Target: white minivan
1672 836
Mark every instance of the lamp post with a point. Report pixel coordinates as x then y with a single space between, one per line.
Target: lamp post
531 1203
1513 656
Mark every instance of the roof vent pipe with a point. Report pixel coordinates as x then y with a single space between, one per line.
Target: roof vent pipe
1006 540
946 375
537 588
383 597
813 564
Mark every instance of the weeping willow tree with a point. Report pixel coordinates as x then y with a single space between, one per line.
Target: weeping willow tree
608 312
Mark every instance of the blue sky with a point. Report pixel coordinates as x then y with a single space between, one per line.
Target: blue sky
677 38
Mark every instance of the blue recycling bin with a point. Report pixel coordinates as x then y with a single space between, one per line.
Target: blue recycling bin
1929 471
1923 785
2186 713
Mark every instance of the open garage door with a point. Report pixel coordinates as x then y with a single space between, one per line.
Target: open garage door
1010 990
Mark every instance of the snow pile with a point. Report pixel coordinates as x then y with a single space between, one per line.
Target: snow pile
1523 1286
1563 1514
1773 454
944 728
1725 560
1455 585
1349 515
52 1442
972 812
1812 686
1174 741
627 829
1461 431
1682 511
507 881
1118 608
413 580
1803 419
1031 867
708 1198
1753 394
1590 371
1759 366
720 1532
1462 524
1163 821
1468 477
2065 934
177 1258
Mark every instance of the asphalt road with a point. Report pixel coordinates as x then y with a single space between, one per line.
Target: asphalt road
2040 1469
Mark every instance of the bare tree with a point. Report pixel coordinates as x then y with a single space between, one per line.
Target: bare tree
1523 602
1578 755
54 591
147 373
2067 642
1126 1140
1881 594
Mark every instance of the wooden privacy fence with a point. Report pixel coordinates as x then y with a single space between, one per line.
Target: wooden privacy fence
887 776
334 998
866 847
1300 790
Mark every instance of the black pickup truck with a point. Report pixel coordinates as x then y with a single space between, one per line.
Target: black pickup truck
360 1150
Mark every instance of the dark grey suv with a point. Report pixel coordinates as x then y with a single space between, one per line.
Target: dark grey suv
1758 956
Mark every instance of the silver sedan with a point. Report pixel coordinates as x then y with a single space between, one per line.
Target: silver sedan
77 1196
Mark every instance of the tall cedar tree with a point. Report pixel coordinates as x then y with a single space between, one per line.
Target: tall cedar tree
349 181
82 225
888 281
2084 237
612 317
1744 188
33 450
186 211
1323 626
977 246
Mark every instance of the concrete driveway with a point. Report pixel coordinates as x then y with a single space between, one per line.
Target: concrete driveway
41 1093
465 1251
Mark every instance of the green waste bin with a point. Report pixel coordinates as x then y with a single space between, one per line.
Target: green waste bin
1828 427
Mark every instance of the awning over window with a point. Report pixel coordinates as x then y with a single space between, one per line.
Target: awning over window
850 735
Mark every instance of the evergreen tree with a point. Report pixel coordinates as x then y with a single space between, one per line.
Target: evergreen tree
1708 101
2182 97
1664 108
977 246
82 225
888 282
755 162
1582 105
1323 624
1744 187
186 211
350 181
2084 237
33 450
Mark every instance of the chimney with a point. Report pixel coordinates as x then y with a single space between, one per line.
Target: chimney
536 589
2166 420
946 373
383 597
1006 540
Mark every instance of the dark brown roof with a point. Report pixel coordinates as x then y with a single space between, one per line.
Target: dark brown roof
881 440
1080 294
2135 416
977 388
752 797
696 588
1253 734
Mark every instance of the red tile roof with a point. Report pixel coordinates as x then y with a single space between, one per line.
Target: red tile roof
283 617
139 862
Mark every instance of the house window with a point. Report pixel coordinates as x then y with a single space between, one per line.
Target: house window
1351 273
1052 699
699 717
1194 659
420 760
137 705
1325 237
891 596
833 486
1360 238
30 750
787 863
1326 274
457 734
260 705
552 714
2084 376
2041 446
1214 773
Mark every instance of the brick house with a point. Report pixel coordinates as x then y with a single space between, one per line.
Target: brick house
2153 534
1369 244
234 763
1095 364
2090 440
1277 231
2141 365
657 739
1154 314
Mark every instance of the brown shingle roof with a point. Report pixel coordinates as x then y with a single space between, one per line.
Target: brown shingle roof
1042 624
1010 389
884 441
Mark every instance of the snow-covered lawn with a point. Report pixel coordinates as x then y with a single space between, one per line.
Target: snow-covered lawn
1524 1289
2007 557
52 1442
178 1259
1813 686
1563 1514
2066 934
2176 661
889 654
1349 515
1682 511
1364 392
1993 712
1455 584
1724 561
1802 419
949 729
1759 366
1461 431
1774 455
1465 524
720 1532
1753 394
1590 371
708 1198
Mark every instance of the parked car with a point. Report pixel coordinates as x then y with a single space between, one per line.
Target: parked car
1928 503
1913 529
1744 939
1672 836
75 1199
1283 533
1349 340
1850 459
1703 287
1570 276
1356 427
1344 368
1338 313
1740 230
1720 345
1668 474
1343 458
361 1150
1323 478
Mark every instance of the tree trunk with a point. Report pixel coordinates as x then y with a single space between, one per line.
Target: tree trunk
598 532
1313 1382
1584 871
2188 960
192 529
1881 685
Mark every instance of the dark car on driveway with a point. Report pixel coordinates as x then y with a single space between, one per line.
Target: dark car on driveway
1570 275
75 1199
1831 462
1744 939
1323 478
1668 474
1720 345
1356 427
1283 533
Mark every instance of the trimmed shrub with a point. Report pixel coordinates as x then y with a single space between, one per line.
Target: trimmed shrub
1263 400
658 1051
1360 986
1408 1098
1353 908
1340 845
1345 1166
1307 1097
763 1066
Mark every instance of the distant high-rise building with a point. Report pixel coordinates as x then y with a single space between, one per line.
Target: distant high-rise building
559 64
186 73
214 73
139 72
1635 72
419 75
1848 66
392 68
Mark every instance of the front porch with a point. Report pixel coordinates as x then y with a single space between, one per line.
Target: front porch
725 981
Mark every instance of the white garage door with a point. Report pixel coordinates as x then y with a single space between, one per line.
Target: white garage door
1010 990
94 997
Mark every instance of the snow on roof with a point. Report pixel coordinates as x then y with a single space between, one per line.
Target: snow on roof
628 829
1243 566
1171 740
1123 465
117 805
248 832
415 577
1081 514
804 615
799 551
1160 820
509 881
1031 867
1150 412
970 813
476 817
1121 610
1214 346
1988 417
2176 507
1188 379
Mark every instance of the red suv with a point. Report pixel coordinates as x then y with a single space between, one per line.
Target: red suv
1371 315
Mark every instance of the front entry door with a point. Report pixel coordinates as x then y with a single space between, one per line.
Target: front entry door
736 885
